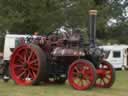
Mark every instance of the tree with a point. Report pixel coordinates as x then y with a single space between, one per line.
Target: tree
27 16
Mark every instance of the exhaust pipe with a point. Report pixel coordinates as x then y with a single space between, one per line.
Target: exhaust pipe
92 28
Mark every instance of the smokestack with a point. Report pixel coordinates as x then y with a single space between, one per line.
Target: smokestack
92 28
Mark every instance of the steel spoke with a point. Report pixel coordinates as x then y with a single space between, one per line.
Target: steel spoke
30 74
82 83
27 74
20 57
33 61
34 74
34 69
19 70
100 81
75 74
103 81
30 56
21 74
25 54
107 78
18 66
79 82
21 61
76 68
88 81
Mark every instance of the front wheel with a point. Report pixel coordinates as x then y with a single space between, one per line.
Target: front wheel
82 74
106 75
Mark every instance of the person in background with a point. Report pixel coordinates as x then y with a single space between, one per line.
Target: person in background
35 37
36 33
1 58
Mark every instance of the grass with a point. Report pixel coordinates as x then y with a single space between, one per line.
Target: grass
120 88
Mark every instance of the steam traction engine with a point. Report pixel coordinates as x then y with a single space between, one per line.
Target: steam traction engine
60 58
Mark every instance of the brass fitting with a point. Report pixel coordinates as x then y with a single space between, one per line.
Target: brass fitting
92 12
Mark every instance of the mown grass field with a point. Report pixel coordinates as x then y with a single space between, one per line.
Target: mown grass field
120 88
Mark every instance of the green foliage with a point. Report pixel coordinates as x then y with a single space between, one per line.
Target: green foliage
44 16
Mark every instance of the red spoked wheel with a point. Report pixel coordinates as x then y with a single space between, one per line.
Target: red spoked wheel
27 65
106 75
82 74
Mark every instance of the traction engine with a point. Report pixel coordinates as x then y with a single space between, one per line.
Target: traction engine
56 58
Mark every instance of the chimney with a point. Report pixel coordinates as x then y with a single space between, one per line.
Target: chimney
92 28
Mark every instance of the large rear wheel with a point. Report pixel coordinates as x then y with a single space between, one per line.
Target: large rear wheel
82 74
106 75
28 65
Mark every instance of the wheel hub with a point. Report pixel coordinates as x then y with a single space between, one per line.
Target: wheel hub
80 75
25 65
